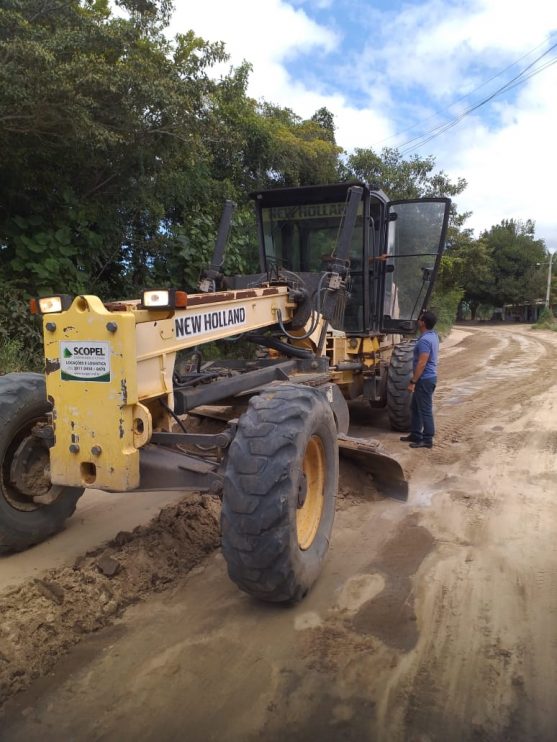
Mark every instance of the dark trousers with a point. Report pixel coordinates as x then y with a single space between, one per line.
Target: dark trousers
422 426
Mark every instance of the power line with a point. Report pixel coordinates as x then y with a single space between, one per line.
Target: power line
513 82
467 95
441 130
443 127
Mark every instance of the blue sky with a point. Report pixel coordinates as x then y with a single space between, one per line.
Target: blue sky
392 71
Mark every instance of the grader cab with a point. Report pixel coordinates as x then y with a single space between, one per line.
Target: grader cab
343 275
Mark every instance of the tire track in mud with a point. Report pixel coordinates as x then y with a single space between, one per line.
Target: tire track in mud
519 368
483 665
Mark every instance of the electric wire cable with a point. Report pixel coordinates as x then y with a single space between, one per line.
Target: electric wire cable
518 79
467 95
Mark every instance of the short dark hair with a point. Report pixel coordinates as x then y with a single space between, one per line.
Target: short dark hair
429 319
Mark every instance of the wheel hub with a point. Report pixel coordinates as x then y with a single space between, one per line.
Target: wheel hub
311 493
27 472
27 480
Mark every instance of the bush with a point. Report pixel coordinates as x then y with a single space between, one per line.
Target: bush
445 305
14 357
21 346
546 321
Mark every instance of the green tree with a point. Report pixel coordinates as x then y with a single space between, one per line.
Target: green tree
99 144
326 120
468 265
498 268
401 178
119 150
302 151
515 252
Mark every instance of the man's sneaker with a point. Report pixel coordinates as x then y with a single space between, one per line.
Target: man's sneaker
410 438
421 444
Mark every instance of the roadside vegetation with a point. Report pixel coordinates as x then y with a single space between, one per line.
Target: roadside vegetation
445 304
118 147
546 321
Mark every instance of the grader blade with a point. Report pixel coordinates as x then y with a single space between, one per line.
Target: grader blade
385 469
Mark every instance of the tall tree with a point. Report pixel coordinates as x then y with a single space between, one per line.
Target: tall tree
98 141
401 178
515 253
502 267
117 152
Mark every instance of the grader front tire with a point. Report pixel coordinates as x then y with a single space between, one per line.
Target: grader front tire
31 509
279 493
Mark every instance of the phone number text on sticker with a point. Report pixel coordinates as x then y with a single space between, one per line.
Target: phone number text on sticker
85 361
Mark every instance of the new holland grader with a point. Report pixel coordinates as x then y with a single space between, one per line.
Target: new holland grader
344 275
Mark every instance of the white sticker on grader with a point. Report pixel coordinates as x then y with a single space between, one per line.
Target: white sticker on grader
85 361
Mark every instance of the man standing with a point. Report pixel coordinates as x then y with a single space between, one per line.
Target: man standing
422 384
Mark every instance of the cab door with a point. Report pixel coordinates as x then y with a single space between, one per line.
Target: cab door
416 233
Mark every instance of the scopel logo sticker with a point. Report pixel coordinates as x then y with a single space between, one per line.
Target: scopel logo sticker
85 361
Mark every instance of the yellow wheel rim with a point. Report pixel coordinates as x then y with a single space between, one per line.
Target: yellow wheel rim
308 516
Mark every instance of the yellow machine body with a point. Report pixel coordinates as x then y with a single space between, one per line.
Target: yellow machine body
106 367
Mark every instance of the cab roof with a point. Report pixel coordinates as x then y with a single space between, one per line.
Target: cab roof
327 193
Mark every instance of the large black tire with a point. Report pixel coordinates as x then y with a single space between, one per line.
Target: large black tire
280 491
23 520
399 398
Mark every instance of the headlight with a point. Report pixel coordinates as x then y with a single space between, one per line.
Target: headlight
164 299
51 304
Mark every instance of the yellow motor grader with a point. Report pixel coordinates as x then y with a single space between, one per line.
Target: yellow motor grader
343 277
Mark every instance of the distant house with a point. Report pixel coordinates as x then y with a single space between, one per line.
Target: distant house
526 312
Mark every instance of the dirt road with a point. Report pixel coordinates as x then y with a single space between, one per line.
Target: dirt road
434 619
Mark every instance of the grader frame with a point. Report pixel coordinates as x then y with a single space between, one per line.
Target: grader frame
114 411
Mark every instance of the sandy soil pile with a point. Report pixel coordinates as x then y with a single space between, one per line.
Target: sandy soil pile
355 485
42 619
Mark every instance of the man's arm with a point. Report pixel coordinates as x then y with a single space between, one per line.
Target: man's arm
418 371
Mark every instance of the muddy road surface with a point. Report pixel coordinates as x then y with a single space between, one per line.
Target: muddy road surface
434 619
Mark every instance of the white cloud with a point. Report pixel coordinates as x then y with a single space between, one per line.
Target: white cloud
267 34
261 32
511 171
319 4
435 50
508 157
447 47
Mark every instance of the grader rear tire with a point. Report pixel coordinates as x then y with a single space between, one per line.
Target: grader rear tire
399 398
31 509
280 490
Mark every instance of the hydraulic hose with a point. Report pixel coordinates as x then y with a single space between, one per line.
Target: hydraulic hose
288 350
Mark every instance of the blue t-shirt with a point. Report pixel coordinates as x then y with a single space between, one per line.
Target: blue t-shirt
428 343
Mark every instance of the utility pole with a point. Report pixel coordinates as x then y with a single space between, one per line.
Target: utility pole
547 293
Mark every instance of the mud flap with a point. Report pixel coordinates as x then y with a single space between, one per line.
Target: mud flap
386 471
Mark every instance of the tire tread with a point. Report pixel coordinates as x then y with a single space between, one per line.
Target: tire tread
257 543
399 375
21 393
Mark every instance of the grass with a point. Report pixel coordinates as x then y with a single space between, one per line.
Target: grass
546 321
14 357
